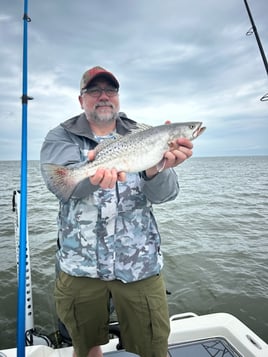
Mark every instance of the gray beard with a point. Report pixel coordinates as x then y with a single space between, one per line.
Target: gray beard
103 118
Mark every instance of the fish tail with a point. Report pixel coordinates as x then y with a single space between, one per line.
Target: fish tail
60 180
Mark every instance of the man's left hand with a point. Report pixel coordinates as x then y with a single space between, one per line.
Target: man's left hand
180 150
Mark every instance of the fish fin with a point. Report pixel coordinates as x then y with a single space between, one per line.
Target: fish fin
173 145
60 180
103 144
141 127
161 165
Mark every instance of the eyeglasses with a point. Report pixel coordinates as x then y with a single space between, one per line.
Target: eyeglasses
97 92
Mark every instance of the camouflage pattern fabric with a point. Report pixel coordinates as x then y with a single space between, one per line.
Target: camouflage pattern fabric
111 234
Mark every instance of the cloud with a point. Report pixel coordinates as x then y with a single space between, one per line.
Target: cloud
176 60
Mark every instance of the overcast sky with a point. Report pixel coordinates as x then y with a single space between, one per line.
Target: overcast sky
177 60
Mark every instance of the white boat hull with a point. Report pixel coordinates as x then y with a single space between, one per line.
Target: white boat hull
188 331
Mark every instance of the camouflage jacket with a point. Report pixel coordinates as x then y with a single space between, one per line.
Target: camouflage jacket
106 233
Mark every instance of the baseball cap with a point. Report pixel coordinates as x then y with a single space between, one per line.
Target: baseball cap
95 72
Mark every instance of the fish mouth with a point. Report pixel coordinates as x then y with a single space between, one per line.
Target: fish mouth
199 130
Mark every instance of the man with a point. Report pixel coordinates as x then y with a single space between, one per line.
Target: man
109 244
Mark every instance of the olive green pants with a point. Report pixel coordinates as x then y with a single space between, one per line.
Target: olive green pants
83 305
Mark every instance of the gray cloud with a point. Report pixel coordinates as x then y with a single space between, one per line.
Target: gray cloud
176 60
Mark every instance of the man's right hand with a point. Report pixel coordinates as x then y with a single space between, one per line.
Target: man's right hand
105 178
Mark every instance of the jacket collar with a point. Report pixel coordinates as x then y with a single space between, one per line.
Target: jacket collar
78 125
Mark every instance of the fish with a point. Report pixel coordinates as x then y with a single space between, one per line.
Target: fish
134 152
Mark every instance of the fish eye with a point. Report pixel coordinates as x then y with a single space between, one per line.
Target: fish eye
191 126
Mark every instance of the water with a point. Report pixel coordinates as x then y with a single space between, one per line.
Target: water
214 240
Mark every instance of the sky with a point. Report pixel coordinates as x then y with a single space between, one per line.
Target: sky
176 60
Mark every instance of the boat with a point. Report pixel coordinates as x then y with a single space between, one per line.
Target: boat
216 334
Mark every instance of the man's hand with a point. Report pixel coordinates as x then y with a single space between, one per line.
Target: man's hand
105 178
180 150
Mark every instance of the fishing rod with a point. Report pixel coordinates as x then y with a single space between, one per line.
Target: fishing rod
23 198
31 335
26 333
255 31
29 324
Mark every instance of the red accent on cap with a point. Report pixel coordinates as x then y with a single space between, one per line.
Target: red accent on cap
95 72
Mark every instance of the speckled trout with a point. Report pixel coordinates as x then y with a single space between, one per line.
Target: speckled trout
135 152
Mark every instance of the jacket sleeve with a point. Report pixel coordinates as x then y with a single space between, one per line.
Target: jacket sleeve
59 149
161 188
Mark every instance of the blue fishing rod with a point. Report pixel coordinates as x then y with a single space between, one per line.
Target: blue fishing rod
23 198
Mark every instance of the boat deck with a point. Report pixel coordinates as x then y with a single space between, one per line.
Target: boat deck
220 334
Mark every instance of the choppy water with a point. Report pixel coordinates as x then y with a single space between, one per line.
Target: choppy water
214 239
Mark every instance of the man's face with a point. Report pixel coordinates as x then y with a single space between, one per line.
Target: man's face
99 105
